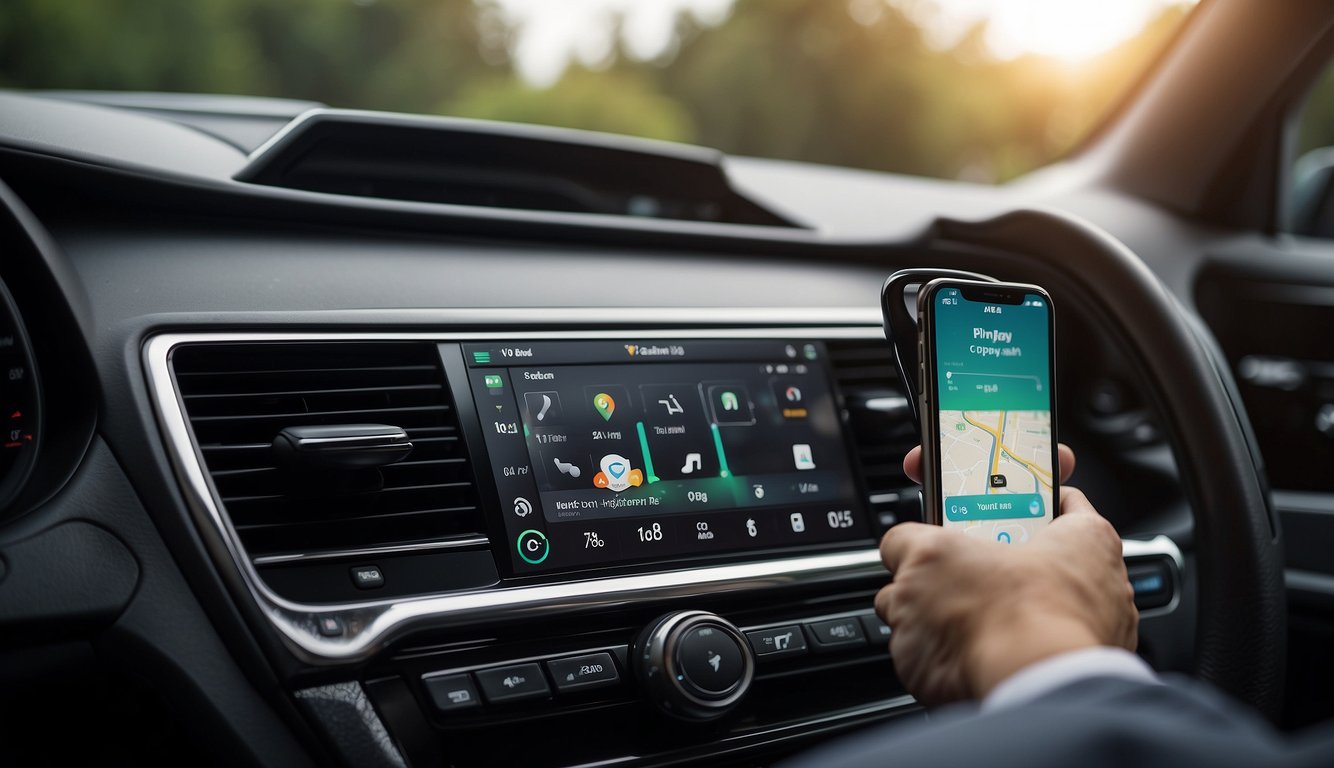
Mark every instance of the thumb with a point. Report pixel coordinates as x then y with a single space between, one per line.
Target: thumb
1074 502
1079 519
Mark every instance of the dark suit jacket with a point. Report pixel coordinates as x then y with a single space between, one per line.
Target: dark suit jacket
1089 724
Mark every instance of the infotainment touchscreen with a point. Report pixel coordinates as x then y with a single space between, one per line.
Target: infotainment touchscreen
609 452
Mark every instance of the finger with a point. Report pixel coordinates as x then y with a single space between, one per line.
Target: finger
912 465
884 599
902 539
1067 461
1074 502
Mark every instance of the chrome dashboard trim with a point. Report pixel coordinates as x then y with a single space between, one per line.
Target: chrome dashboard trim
369 625
462 542
1158 546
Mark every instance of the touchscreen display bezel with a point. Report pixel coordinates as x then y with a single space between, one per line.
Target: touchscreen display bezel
808 353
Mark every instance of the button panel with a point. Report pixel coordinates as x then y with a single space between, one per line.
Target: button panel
591 683
709 661
518 682
580 673
527 680
778 642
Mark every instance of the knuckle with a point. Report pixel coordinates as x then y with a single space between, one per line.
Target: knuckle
930 549
886 542
883 600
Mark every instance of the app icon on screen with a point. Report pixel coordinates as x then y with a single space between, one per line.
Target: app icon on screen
617 474
801 456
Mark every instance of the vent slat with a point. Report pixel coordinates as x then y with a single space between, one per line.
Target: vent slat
267 467
331 417
311 392
351 520
239 396
382 491
307 371
235 448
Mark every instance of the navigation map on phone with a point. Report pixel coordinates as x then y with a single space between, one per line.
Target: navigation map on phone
994 394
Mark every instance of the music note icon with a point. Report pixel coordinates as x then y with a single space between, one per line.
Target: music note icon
693 462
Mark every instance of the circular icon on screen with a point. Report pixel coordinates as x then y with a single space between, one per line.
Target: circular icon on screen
533 546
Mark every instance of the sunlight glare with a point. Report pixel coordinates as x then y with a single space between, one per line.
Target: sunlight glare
553 32
1073 30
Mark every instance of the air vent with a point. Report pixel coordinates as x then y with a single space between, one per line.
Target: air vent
881 423
239 398
500 165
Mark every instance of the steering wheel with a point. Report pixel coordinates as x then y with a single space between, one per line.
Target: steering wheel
1240 638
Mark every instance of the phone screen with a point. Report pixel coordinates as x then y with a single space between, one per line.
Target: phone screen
994 400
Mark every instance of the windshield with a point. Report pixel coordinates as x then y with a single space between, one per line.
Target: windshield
980 90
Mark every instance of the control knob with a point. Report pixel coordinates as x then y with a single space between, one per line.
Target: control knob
694 665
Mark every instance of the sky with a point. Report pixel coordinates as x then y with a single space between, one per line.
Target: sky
553 32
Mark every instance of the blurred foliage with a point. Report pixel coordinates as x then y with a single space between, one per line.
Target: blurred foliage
851 83
615 102
409 55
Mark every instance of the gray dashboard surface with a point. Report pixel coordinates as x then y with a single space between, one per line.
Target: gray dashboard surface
212 270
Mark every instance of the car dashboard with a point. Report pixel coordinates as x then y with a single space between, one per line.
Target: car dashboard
434 441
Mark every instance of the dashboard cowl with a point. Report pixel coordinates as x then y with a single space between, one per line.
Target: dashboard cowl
498 165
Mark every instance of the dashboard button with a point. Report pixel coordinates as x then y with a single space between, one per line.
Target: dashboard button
710 660
778 642
877 631
836 633
520 682
367 577
451 693
330 626
579 673
533 546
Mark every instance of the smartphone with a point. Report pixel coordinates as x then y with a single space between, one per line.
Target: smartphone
988 408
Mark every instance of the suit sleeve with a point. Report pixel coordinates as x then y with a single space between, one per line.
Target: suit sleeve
1092 723
1037 680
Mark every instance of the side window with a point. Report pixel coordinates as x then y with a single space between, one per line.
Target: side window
1309 209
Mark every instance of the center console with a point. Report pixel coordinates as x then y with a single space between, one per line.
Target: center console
553 548
662 537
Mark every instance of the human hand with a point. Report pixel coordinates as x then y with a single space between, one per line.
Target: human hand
967 612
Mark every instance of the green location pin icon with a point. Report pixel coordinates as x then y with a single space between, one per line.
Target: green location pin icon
605 405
